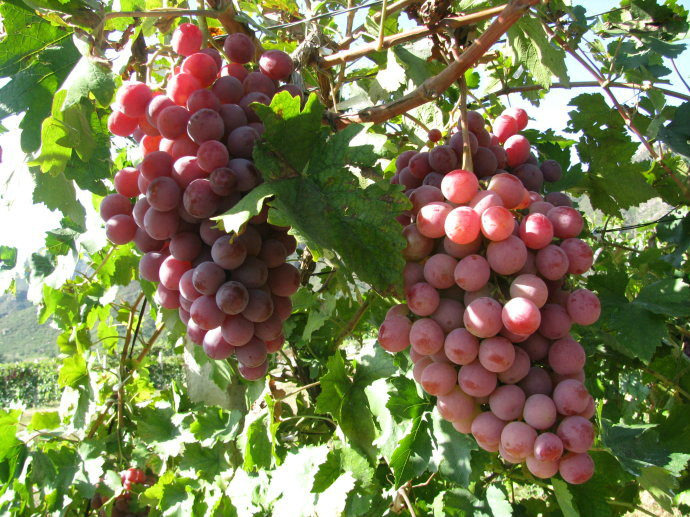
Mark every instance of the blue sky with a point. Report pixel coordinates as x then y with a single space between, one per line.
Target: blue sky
24 223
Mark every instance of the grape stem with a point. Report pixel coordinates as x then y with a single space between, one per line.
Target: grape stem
298 390
433 87
587 84
466 148
403 493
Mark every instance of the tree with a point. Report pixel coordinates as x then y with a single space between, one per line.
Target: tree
339 428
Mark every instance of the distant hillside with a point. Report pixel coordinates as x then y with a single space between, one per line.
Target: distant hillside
21 337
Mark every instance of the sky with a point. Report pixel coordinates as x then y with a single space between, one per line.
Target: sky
23 224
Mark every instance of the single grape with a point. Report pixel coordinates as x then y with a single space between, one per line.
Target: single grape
576 468
541 468
426 336
486 429
518 370
517 438
583 307
571 397
455 405
539 411
186 39
521 316
472 273
476 381
239 48
507 402
439 379
483 317
536 381
566 356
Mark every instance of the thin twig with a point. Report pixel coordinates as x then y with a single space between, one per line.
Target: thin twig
381 23
587 84
667 381
426 482
416 121
682 79
406 498
467 163
411 35
352 324
433 87
298 390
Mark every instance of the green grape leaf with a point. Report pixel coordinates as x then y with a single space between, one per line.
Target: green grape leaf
203 460
44 420
8 257
405 402
73 371
497 499
452 451
334 210
89 77
670 296
676 134
38 57
533 48
257 446
638 446
564 498
413 454
58 193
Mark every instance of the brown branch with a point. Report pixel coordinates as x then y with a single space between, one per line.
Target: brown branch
353 35
418 33
433 87
587 84
621 109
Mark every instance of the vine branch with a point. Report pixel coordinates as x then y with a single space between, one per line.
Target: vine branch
433 87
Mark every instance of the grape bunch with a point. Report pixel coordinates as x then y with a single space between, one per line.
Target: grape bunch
232 292
488 314
121 506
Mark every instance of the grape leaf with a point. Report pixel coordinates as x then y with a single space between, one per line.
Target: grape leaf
332 209
73 371
404 402
346 400
58 193
677 133
8 257
452 451
564 498
411 457
37 68
638 446
89 76
533 49
257 446
498 502
670 296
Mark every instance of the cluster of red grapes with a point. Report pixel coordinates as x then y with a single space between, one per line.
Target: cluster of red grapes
487 258
196 139
130 477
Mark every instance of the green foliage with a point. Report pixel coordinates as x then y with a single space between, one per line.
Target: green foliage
340 427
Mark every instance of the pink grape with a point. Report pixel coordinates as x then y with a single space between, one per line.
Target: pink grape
206 313
461 250
149 265
237 330
252 354
228 255
426 336
583 306
455 405
431 219
475 380
576 433
461 225
548 447
448 314
536 346
260 306
171 271
195 333
215 346
519 115
566 356
517 439
424 195
555 322
276 64
539 411
132 98
506 456
517 148
530 287
394 333
459 186
496 354
567 222
571 397
438 270
542 469
508 256
536 231
125 181
115 204
167 298
461 347
186 39
551 170
120 124
483 317
576 468
497 223
521 316
418 246
438 379
464 426
239 48
420 366
518 370
253 373
541 207
506 402
508 187
422 299
120 229
471 273
504 127
580 255
486 429
484 200
552 262
536 381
